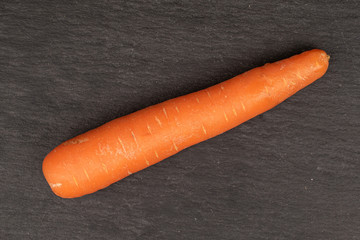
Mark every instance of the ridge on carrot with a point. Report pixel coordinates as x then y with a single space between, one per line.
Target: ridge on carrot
102 156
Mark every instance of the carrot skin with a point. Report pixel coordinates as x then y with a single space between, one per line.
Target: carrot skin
102 156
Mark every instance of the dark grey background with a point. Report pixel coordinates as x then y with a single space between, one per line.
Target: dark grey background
291 173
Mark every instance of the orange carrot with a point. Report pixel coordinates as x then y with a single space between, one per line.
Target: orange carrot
102 156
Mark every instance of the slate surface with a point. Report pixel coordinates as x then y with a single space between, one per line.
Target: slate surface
291 173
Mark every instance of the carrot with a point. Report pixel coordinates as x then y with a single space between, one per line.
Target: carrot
102 156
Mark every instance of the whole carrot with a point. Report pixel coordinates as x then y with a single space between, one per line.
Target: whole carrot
102 156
